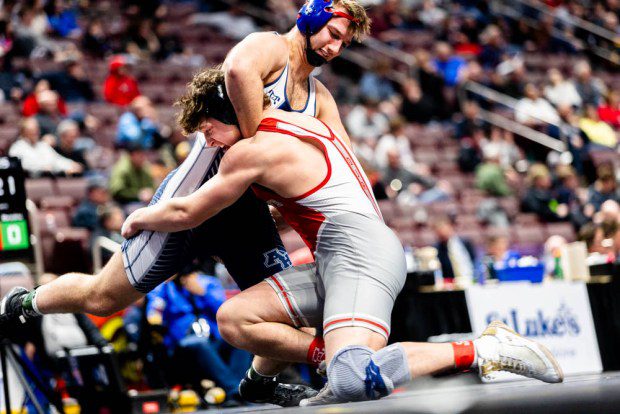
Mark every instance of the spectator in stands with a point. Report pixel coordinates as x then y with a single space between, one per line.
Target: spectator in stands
599 133
533 110
187 306
49 115
398 178
432 83
567 192
375 84
570 133
97 197
63 18
72 84
604 188
366 121
491 176
110 219
169 41
456 254
33 23
36 155
494 47
120 88
560 91
539 199
131 180
609 111
448 65
395 139
471 120
67 132
141 41
30 106
590 89
470 150
497 253
138 126
416 106
95 42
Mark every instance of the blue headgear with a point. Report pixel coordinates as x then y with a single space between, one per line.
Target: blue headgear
313 15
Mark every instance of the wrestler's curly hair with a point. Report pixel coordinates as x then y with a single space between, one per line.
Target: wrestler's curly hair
193 103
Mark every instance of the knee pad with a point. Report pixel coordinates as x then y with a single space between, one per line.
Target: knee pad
357 373
346 373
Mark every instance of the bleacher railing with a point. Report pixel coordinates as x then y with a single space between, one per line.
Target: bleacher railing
37 247
599 40
101 244
506 123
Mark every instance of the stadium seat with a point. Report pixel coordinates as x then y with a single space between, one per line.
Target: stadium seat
58 202
565 230
37 188
73 187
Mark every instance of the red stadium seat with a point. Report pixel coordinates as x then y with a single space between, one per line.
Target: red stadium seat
37 188
73 187
58 202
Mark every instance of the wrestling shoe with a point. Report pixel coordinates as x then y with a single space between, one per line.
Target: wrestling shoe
502 349
12 310
324 397
270 390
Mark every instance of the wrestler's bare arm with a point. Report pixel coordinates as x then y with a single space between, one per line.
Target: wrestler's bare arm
328 111
240 167
246 68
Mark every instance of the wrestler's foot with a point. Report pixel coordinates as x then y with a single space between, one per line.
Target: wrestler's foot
269 390
502 349
12 310
324 397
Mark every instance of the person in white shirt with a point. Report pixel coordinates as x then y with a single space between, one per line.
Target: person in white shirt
561 92
36 155
534 110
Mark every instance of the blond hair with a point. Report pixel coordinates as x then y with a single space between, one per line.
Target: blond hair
361 27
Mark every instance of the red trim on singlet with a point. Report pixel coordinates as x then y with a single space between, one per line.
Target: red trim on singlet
288 302
270 125
378 325
353 167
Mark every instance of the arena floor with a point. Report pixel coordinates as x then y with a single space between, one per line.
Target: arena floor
465 394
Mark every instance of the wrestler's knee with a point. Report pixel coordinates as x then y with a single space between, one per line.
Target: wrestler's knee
346 372
231 320
357 373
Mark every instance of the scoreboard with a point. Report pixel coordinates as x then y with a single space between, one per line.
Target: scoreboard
14 229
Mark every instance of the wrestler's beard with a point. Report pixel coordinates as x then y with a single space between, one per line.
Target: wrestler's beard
312 57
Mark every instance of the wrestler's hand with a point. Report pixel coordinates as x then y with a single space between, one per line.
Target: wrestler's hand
130 227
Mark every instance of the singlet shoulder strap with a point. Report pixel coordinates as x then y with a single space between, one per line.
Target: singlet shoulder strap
271 125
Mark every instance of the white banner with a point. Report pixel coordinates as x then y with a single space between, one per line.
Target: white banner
556 314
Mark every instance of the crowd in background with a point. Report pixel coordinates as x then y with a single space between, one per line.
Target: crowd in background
426 150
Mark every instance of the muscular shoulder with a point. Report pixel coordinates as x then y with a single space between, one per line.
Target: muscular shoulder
259 49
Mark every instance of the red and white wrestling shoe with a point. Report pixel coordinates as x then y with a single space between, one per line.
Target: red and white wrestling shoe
502 349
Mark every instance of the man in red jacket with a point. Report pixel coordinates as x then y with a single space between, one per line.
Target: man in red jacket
120 88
